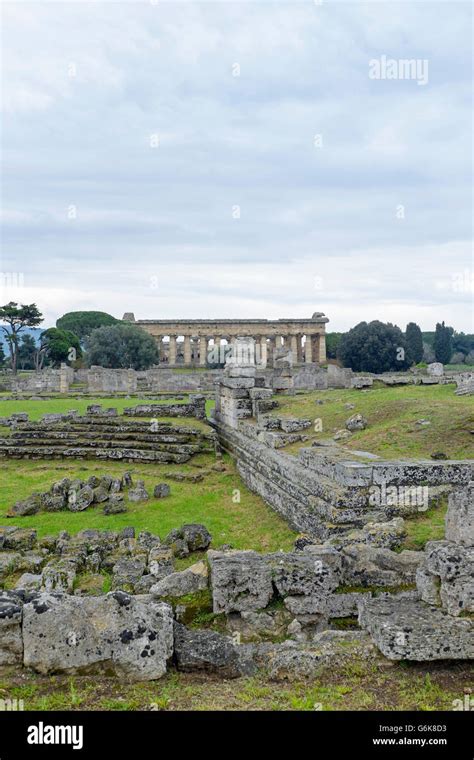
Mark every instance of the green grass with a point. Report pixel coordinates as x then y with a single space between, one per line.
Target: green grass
427 526
356 685
250 524
459 367
36 409
392 413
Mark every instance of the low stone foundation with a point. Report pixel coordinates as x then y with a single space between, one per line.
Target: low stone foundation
103 434
319 491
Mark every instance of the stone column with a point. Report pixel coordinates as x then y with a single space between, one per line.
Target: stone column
219 341
308 349
172 350
63 379
202 350
131 381
272 347
194 350
159 343
263 350
187 350
300 349
322 349
294 348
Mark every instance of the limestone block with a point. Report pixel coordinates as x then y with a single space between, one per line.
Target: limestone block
460 516
289 425
356 422
435 369
292 660
365 565
236 371
127 572
240 581
314 571
59 575
11 640
205 652
451 569
130 636
412 630
238 382
8 563
189 581
29 582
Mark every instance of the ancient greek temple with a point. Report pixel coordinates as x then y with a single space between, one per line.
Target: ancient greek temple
195 342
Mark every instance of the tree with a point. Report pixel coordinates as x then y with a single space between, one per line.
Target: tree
2 355
374 347
332 342
81 323
443 343
463 343
414 339
17 319
26 352
60 346
122 345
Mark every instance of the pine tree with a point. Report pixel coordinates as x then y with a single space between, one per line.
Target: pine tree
443 343
414 339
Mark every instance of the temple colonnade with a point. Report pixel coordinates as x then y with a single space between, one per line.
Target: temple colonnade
193 343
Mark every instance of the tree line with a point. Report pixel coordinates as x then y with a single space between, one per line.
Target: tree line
382 347
86 338
80 338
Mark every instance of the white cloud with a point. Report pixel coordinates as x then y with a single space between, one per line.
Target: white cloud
306 212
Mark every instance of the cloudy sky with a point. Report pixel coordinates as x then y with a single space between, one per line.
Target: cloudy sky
220 159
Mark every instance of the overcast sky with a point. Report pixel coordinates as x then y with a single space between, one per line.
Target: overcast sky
219 159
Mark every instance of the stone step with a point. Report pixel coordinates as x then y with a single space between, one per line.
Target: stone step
122 454
99 444
411 630
99 436
120 426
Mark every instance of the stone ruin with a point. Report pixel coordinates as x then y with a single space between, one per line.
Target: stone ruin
439 623
77 495
279 612
346 590
465 384
104 434
322 489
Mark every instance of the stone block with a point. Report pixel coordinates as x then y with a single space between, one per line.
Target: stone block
11 640
131 637
205 652
240 581
189 581
238 382
412 630
460 516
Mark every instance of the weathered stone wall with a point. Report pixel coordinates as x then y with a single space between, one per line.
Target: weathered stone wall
195 408
411 605
316 491
320 496
46 381
305 377
438 624
101 380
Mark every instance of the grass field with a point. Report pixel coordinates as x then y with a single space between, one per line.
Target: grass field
36 409
250 524
355 686
392 415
